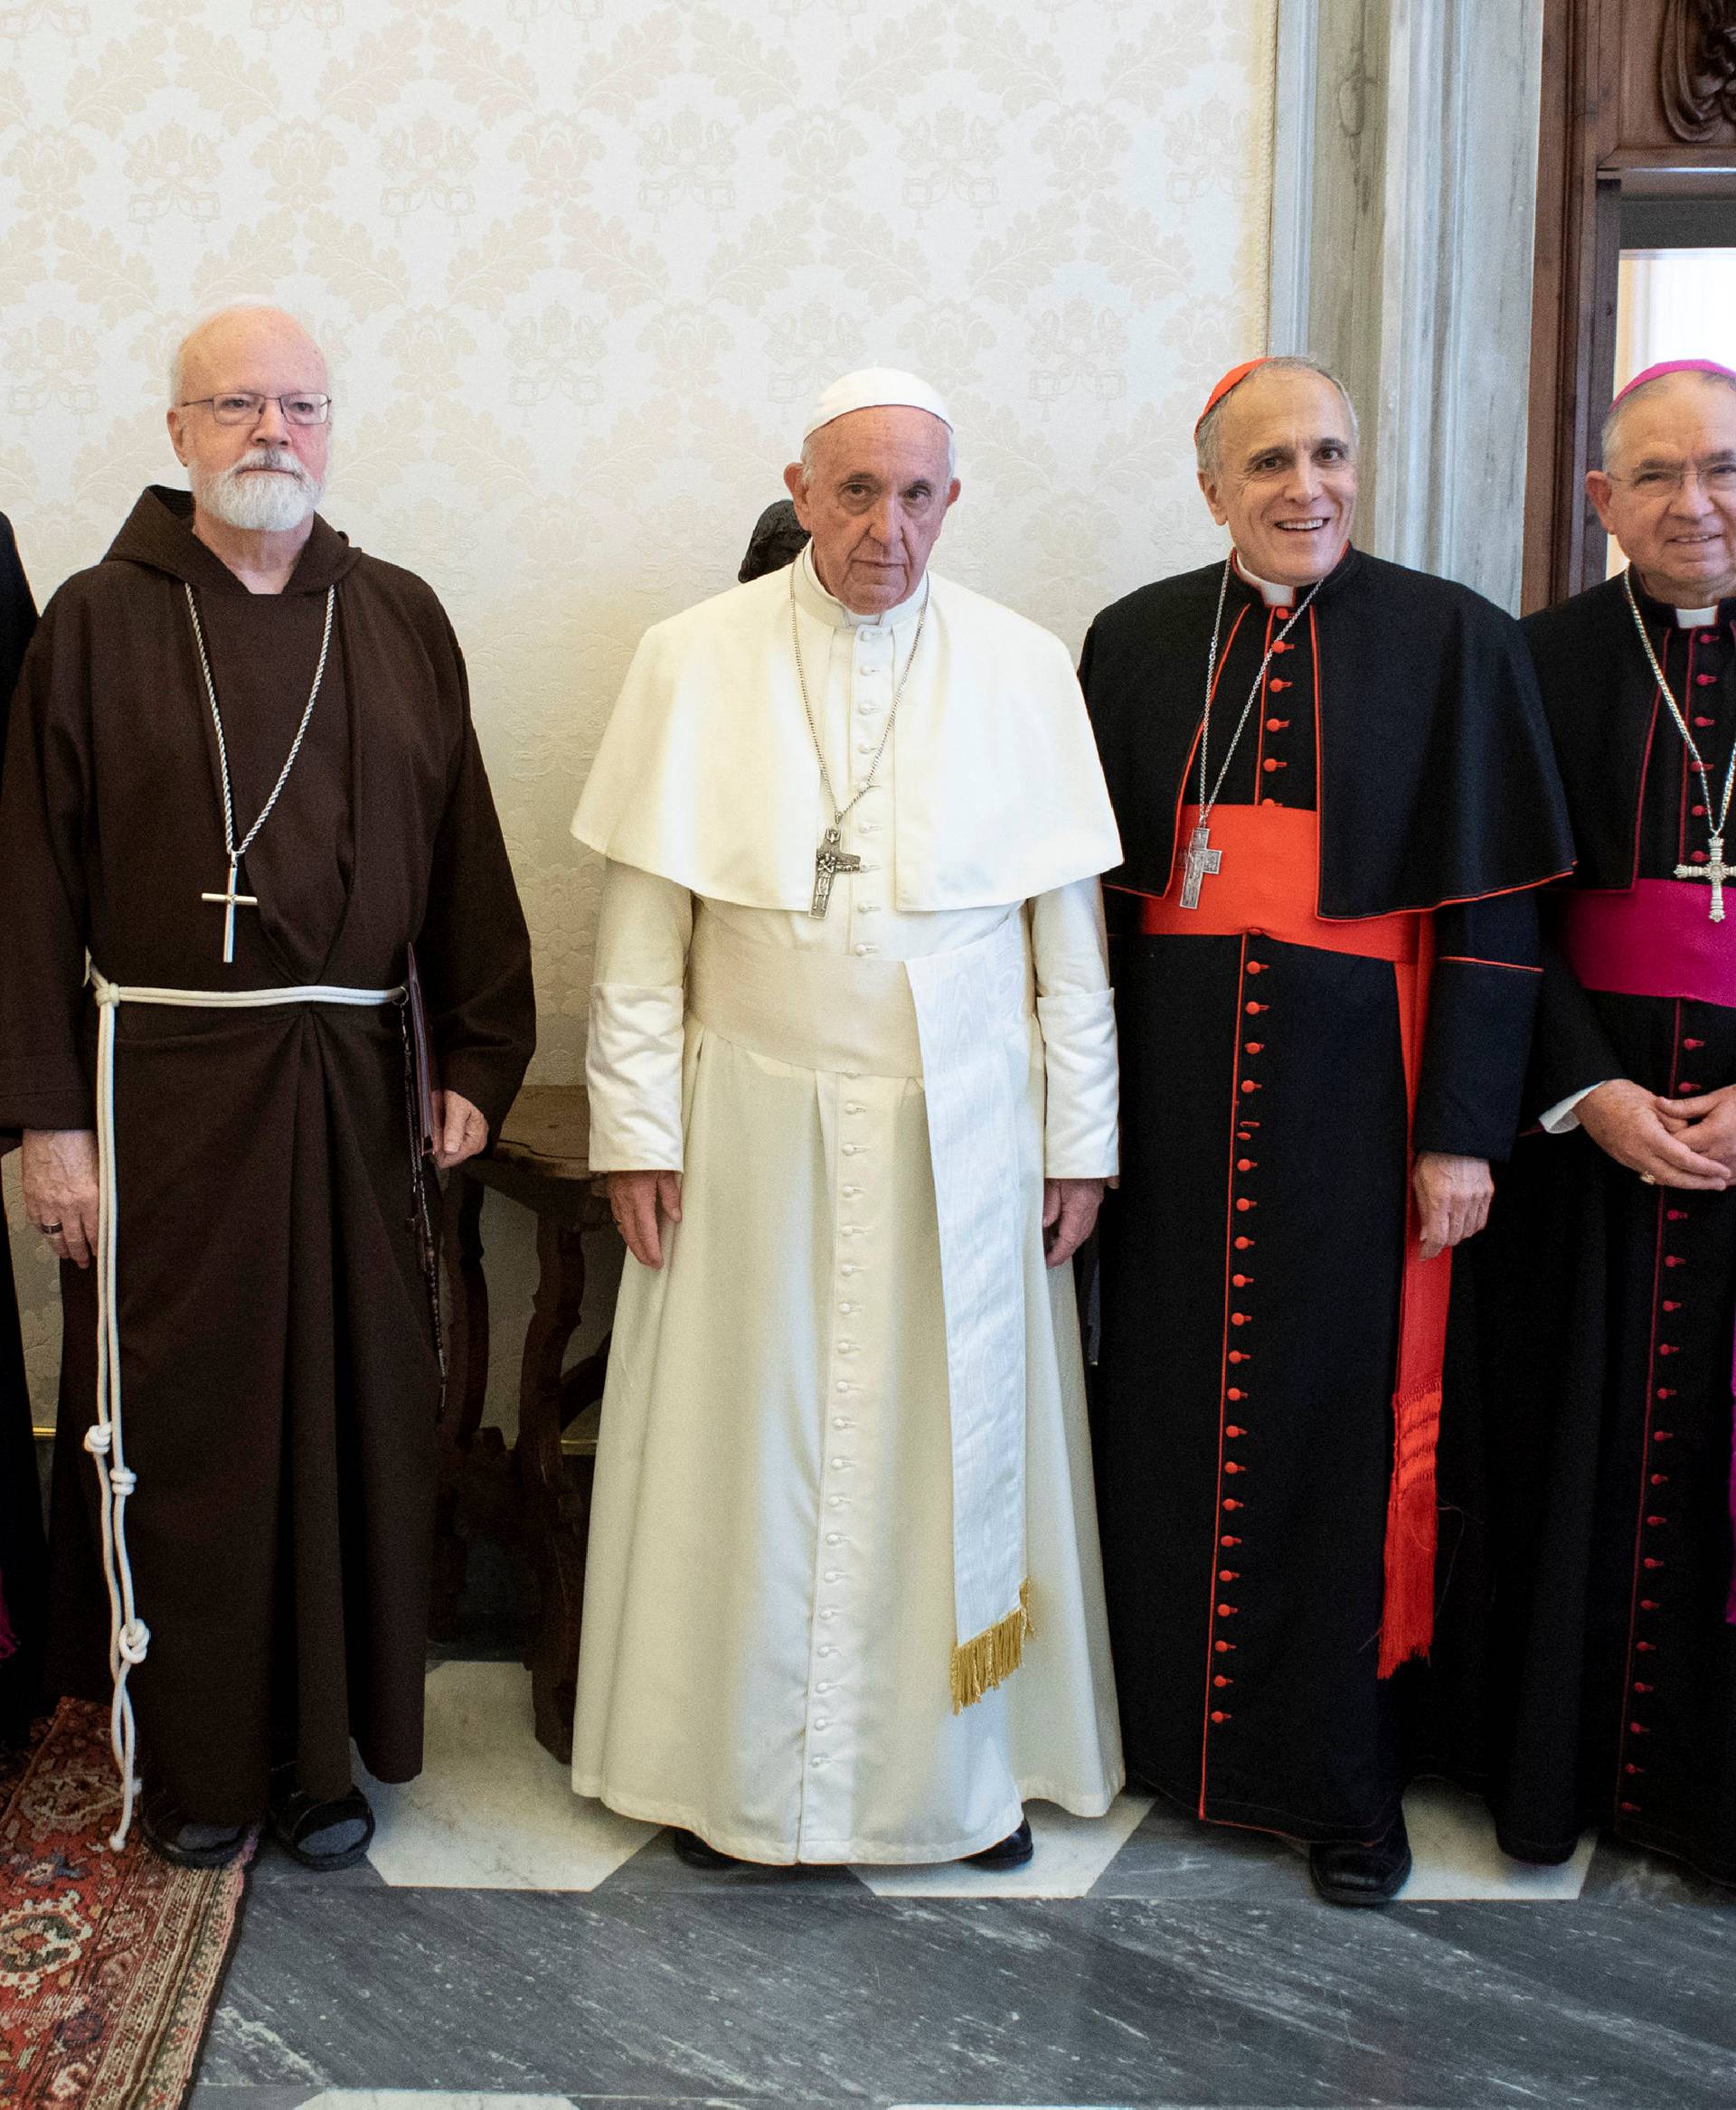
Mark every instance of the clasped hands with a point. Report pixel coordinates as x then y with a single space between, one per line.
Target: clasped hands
1672 1142
641 1202
58 1168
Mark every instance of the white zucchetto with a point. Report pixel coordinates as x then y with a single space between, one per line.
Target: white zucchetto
872 388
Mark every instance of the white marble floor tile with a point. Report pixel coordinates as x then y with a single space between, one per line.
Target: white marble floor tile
492 1809
1071 1853
1452 1843
428 2099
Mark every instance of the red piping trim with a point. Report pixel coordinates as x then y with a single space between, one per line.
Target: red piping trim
1471 960
1223 1364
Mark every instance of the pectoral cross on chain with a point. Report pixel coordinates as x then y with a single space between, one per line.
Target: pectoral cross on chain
1716 870
829 859
232 901
1199 860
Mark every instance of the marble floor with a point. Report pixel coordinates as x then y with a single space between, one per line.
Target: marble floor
506 1945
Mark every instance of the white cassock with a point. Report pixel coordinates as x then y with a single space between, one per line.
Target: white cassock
844 1439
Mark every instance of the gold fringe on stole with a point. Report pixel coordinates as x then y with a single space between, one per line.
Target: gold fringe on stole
979 1665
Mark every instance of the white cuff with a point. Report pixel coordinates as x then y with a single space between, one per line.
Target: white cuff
1079 1134
1564 1117
633 1078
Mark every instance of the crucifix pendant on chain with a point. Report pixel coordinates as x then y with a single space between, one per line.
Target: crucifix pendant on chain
829 859
1198 861
232 901
1715 870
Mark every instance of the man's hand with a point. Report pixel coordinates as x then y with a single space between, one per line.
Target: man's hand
1070 1210
1706 1124
635 1200
59 1166
461 1130
1648 1135
1453 1197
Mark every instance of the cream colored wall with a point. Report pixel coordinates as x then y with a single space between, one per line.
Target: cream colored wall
579 264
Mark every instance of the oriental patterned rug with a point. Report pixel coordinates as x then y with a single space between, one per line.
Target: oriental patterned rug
110 1963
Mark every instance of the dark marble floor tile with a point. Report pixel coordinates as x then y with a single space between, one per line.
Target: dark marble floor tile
1622 1872
657 1869
1173 1856
207 2095
763 1994
272 1865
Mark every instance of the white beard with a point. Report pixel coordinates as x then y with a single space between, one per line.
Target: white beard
260 504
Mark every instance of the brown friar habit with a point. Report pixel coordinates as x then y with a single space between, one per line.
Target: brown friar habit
280 1374
1595 1665
21 1553
1251 1260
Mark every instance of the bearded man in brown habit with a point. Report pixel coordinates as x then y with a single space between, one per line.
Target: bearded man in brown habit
242 780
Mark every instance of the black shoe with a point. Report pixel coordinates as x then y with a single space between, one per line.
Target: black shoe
188 1844
1347 1873
691 1849
1011 1853
325 1836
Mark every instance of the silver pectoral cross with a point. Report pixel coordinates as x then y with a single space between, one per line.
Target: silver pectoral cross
232 901
830 859
1714 869
1199 860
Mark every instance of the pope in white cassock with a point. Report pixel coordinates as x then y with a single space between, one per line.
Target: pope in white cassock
853 1077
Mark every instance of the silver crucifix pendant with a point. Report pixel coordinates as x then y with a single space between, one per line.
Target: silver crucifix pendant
830 859
1199 860
232 901
1714 869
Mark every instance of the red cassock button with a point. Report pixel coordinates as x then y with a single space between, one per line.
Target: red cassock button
1253 1047
1221 1681
1218 1715
1277 724
1647 1648
1243 1204
1224 1648
1234 1575
1227 1539
1229 1502
1226 1611
1242 1245
1272 763
1229 1466
1234 1429
1237 1355
1233 1393
1277 682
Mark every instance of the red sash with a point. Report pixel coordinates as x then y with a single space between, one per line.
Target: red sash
1268 887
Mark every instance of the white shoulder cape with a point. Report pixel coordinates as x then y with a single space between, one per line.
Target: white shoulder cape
706 775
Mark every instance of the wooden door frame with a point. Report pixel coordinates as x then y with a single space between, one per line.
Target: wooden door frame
1591 152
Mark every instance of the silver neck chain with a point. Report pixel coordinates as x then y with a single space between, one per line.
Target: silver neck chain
867 783
1715 825
236 850
1206 803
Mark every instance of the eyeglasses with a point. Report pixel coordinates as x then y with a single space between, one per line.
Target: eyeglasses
243 406
1716 479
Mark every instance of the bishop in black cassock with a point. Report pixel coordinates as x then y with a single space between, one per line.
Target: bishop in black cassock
22 1555
1389 798
1606 1291
276 1347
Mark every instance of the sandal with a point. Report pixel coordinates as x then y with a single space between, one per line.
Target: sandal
185 1842
297 1818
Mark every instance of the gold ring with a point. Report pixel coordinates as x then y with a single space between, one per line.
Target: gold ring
1647 1179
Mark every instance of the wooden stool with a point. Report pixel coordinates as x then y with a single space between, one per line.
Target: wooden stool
524 1496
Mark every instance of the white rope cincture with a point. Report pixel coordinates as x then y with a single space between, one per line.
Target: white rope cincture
129 1639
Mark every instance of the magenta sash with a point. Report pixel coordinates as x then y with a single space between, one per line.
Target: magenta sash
1657 940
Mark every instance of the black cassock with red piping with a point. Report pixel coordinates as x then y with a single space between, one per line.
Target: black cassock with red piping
1604 1314
1251 1261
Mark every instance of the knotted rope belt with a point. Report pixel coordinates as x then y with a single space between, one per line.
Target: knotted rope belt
129 1636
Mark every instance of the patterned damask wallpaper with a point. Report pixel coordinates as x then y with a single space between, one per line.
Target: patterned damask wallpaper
579 264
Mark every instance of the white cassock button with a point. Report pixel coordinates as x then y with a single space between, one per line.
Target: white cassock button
834 1538
849 1193
870 827
864 747
824 1686
835 1575
867 908
842 1421
855 1106
843 1386
847 1308
862 951
834 1501
828 1648
817 1760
